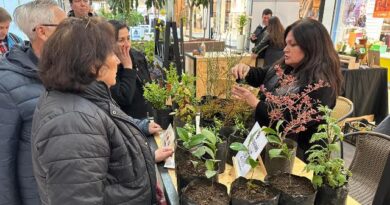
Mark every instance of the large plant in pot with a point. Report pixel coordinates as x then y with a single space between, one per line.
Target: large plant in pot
242 21
329 174
289 113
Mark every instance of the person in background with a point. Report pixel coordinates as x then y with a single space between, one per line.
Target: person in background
7 39
20 88
257 35
307 61
132 75
85 149
80 8
272 44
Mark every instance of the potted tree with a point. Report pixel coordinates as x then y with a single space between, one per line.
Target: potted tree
242 21
329 174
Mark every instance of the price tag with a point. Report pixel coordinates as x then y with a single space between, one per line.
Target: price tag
168 140
255 142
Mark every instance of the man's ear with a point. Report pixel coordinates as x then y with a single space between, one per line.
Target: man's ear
41 33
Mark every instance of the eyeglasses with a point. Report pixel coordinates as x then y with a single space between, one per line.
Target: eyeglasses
48 24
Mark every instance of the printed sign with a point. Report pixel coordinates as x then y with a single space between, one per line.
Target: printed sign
168 140
255 142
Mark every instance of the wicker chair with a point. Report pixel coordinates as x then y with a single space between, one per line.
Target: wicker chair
342 110
369 183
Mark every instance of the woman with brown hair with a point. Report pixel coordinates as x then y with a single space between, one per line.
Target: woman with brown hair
272 44
309 62
85 149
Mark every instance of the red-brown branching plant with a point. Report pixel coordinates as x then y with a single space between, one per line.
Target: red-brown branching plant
289 110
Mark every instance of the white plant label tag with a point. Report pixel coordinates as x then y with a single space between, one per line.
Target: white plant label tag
254 145
168 140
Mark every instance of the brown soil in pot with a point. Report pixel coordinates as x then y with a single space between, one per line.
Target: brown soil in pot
297 185
203 192
255 192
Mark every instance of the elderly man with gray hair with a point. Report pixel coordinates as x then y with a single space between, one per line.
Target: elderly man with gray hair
20 88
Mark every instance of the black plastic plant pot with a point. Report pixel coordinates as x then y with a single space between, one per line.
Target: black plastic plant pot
326 195
233 138
294 190
279 164
204 192
163 118
256 193
222 149
226 131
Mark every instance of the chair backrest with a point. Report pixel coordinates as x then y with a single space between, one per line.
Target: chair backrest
342 109
368 164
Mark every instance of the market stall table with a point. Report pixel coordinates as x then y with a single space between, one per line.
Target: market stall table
168 177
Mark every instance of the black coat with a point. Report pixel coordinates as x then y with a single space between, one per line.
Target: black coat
128 91
266 49
259 31
20 89
85 150
258 76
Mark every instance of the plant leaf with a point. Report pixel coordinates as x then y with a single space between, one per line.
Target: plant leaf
196 140
238 147
280 122
273 139
334 147
253 163
275 153
209 164
209 136
194 163
269 130
210 173
183 134
210 152
317 181
199 152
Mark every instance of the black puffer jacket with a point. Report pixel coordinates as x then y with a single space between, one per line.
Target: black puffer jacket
20 89
128 91
87 151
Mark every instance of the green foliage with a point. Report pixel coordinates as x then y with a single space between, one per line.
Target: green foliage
239 127
327 170
131 17
275 137
156 95
241 22
199 145
124 6
147 47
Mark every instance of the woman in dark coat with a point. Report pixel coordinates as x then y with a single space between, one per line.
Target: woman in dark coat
132 75
85 149
305 59
272 43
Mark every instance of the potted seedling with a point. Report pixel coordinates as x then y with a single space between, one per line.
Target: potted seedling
157 96
206 190
251 191
239 134
329 174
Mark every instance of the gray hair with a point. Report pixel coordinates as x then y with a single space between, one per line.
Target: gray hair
28 16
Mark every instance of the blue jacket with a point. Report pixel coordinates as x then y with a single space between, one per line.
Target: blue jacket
19 92
13 40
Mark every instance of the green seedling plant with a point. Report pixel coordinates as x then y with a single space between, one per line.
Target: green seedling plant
239 128
327 169
156 95
253 163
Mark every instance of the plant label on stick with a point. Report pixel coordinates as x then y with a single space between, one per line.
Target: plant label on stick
255 142
168 140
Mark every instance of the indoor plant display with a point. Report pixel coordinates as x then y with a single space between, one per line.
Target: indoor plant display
202 191
157 96
289 113
242 20
251 191
329 174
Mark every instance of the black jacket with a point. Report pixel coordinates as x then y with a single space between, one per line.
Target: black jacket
270 52
87 151
71 14
20 89
258 76
259 31
128 91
